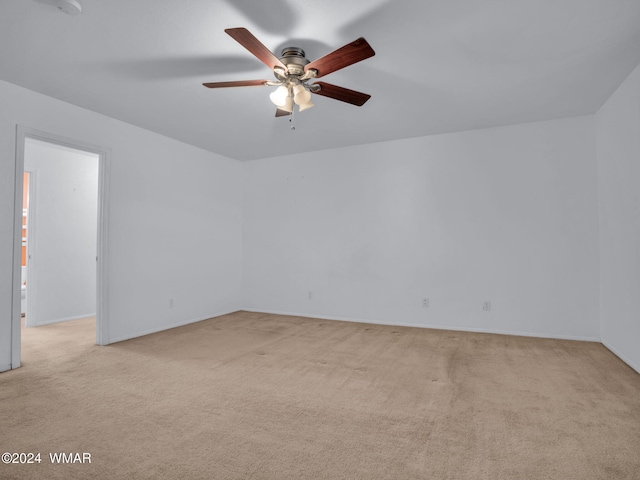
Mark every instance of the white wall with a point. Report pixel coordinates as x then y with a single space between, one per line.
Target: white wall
618 139
62 232
506 214
174 222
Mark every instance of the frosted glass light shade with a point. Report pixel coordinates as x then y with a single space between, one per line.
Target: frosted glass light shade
279 96
305 106
288 105
301 95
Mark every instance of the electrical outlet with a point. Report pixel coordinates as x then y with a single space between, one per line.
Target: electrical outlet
425 302
171 303
310 295
486 306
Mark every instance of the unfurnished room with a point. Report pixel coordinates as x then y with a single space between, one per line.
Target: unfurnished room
311 239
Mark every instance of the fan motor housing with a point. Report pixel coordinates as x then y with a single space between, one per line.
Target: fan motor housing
295 60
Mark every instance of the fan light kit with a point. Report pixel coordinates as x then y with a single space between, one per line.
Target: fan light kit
292 83
293 71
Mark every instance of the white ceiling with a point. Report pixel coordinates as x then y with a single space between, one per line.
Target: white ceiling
440 65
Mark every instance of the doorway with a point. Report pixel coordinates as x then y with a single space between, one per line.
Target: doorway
61 243
61 233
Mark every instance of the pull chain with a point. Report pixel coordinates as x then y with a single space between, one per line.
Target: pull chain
292 126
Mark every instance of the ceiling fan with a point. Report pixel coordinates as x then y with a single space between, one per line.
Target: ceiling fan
293 71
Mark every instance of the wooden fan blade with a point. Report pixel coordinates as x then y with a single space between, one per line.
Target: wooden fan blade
342 94
282 113
351 53
245 38
239 83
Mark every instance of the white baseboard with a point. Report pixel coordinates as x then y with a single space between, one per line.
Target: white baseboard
181 323
435 327
621 356
66 319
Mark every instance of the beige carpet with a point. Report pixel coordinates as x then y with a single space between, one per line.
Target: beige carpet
256 396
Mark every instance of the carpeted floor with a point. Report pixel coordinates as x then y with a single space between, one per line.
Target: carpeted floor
257 396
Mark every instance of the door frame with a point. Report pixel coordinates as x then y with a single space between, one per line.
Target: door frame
32 215
104 161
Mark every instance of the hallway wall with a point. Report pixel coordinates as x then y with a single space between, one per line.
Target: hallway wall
63 226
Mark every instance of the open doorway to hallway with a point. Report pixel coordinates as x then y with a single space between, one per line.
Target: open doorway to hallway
62 306
60 215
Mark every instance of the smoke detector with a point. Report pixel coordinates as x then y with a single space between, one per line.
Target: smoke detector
70 7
